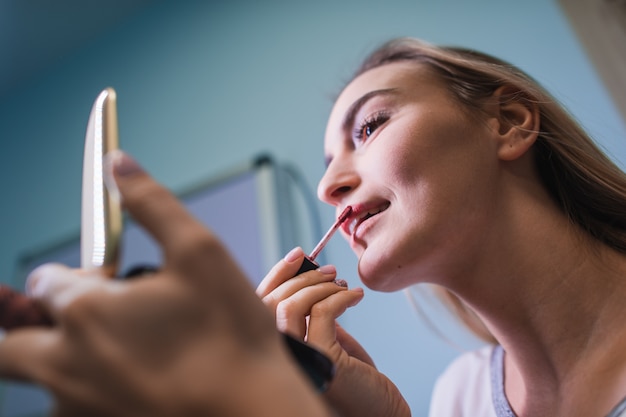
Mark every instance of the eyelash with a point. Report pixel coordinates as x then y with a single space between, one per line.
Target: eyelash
371 123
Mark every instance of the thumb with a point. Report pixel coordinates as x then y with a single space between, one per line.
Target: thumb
149 203
352 347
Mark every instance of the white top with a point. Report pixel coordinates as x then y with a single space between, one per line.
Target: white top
464 389
473 386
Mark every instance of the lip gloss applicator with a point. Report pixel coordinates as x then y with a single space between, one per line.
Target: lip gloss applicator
309 261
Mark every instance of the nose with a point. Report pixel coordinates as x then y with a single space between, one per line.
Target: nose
338 181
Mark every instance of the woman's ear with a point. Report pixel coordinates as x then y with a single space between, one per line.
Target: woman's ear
517 122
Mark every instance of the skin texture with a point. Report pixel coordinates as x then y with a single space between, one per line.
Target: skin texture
190 340
457 202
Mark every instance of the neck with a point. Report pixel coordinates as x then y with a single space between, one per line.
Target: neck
554 296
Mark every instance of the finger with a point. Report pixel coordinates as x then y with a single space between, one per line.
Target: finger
327 273
291 312
56 286
284 270
151 204
352 347
322 330
24 353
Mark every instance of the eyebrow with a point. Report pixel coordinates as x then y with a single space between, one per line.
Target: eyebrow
348 120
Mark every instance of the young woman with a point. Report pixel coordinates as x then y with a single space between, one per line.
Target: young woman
464 173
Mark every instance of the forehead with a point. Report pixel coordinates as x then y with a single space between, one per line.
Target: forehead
405 77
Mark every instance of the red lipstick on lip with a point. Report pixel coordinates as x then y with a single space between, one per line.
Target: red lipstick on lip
309 261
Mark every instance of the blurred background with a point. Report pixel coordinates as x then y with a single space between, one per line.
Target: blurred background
205 85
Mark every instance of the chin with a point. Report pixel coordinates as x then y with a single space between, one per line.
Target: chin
380 277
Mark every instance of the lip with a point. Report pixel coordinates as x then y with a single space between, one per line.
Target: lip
362 212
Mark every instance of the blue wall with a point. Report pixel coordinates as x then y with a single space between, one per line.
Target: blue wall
202 87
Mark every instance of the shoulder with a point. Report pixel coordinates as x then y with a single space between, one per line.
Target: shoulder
464 388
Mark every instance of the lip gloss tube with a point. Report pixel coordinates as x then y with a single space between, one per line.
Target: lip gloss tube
317 366
309 261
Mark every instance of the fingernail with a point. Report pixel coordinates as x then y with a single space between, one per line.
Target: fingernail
341 283
327 269
294 254
121 164
34 281
37 280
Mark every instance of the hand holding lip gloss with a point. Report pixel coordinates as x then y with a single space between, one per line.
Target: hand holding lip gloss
309 261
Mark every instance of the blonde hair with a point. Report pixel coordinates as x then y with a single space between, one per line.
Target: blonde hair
585 183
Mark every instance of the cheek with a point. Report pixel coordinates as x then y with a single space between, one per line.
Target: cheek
439 198
442 159
418 143
397 157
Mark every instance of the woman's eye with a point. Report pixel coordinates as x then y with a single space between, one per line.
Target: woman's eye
369 126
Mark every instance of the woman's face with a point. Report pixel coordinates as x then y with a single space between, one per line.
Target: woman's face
418 171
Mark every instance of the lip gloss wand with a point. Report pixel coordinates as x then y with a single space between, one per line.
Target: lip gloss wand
309 261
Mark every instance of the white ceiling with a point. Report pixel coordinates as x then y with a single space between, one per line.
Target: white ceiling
36 34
